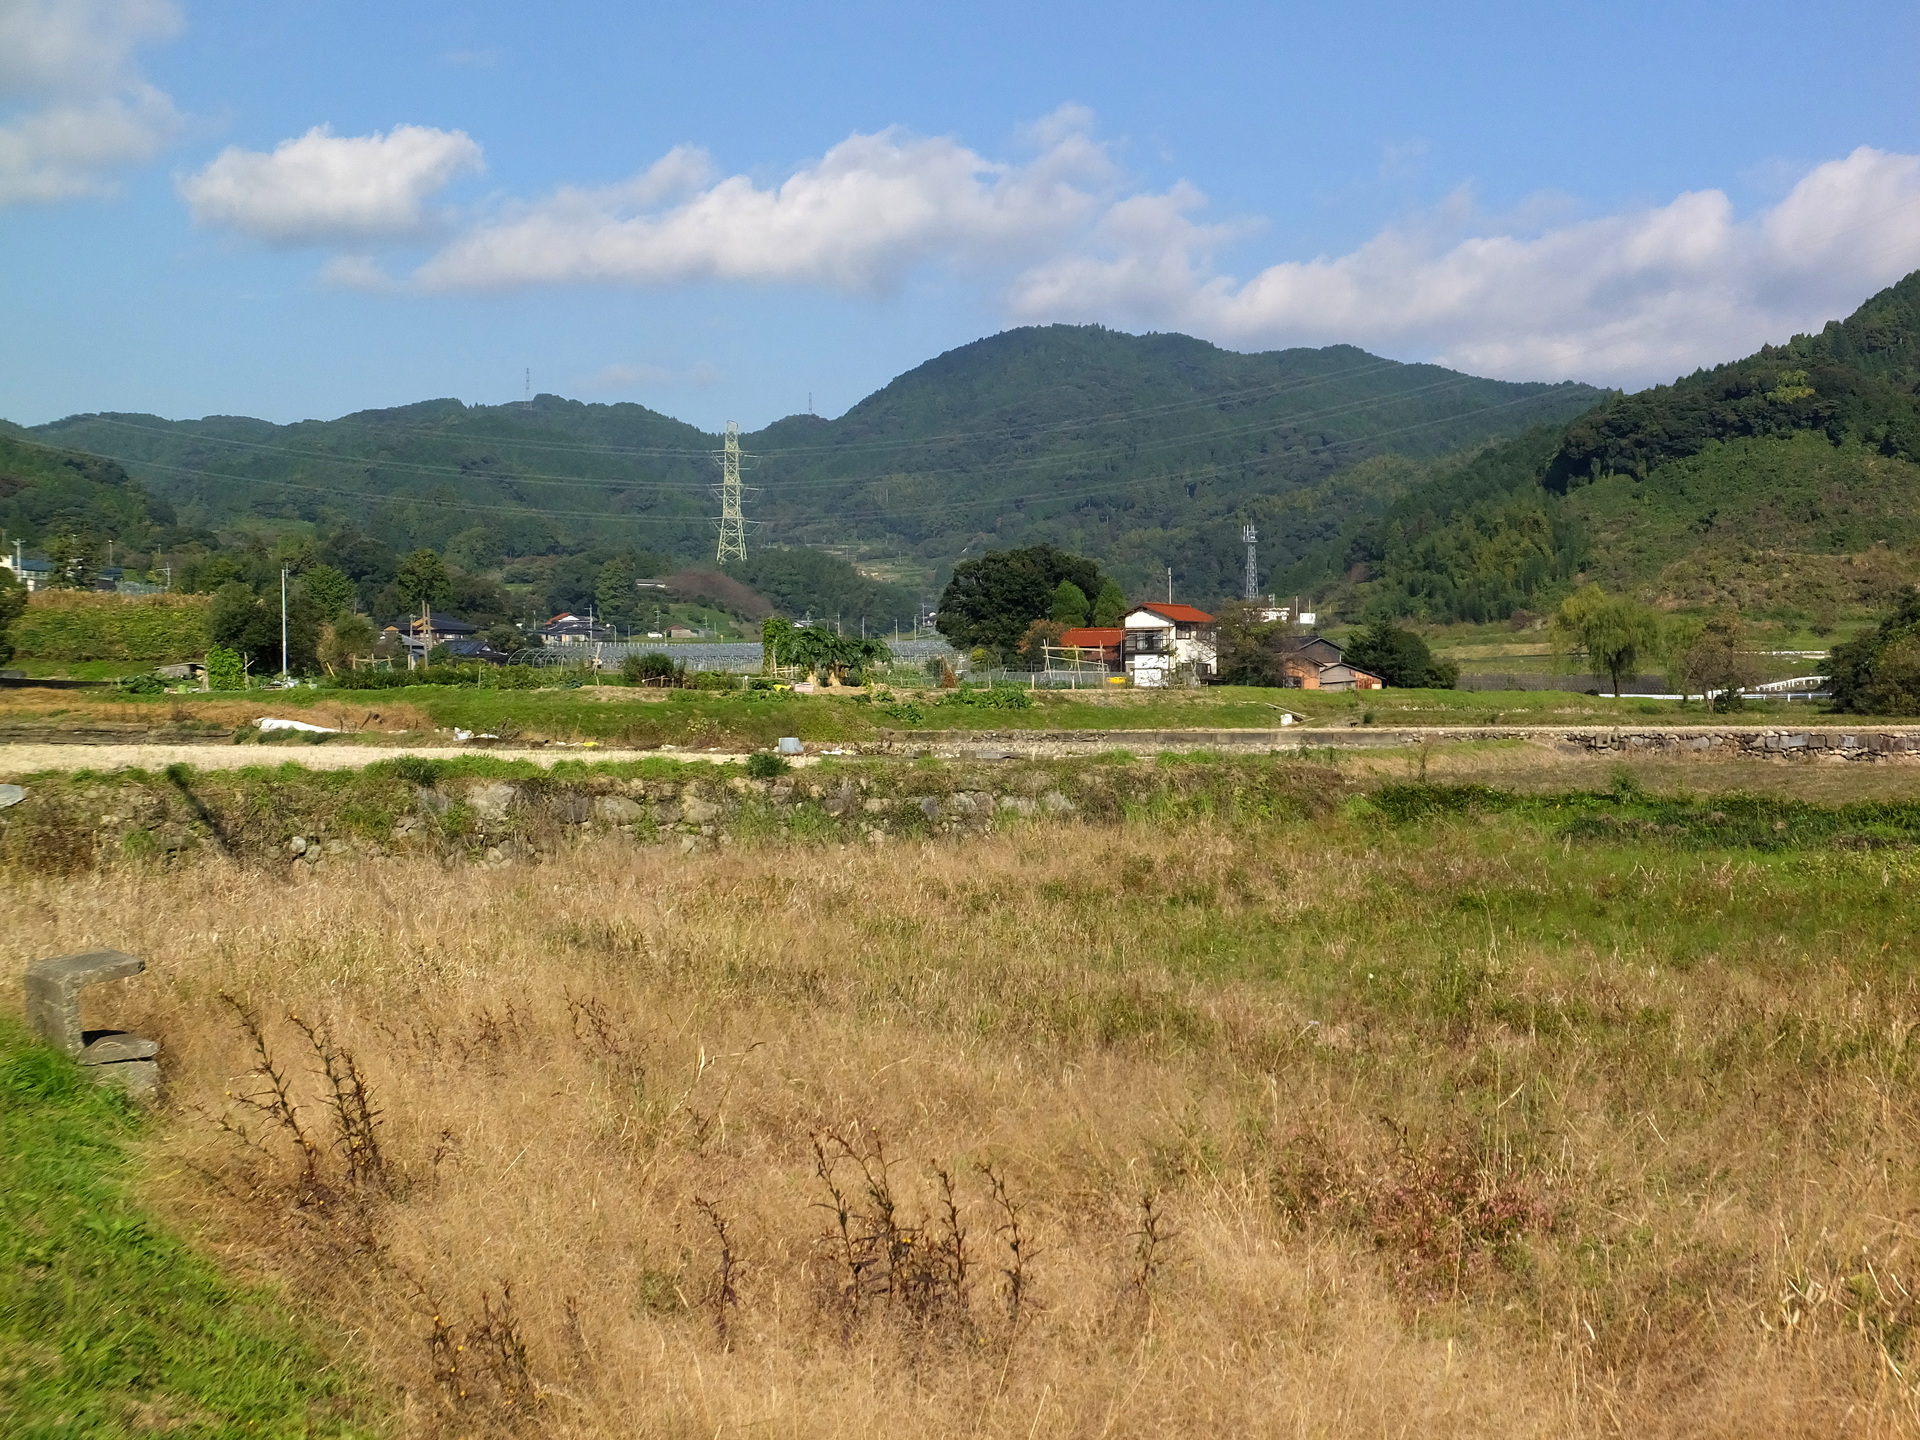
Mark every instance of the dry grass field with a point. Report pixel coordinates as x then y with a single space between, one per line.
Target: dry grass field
1450 1127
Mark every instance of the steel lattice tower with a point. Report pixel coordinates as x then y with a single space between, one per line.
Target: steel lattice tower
1253 569
733 526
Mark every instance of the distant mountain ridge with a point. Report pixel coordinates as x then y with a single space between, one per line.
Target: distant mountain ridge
1144 451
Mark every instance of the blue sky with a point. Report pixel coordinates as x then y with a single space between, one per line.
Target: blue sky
294 210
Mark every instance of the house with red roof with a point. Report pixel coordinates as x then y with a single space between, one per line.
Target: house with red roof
1167 644
1094 644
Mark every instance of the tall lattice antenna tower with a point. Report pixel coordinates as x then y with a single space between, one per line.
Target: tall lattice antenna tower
1248 534
733 526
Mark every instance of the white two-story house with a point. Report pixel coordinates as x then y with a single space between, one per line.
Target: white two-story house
1168 644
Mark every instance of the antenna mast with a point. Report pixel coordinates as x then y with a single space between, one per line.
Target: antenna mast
1248 534
733 527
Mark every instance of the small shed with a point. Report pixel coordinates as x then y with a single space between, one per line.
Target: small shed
1342 676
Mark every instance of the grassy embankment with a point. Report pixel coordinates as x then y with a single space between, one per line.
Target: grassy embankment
617 715
1424 1111
110 1327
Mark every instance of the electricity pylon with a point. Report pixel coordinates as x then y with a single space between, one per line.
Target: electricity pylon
733 526
1253 570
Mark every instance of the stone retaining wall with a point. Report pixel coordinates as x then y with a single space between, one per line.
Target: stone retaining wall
308 820
1852 742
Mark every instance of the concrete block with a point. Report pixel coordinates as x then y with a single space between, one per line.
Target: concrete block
139 1078
110 1047
53 987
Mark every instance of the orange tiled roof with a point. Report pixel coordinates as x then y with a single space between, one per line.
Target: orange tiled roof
1181 614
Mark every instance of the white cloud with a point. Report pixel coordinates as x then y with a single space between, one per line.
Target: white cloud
73 107
1630 298
322 187
858 219
1061 234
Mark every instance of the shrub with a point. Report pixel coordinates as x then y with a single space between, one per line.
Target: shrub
765 765
991 697
81 625
477 674
652 668
226 669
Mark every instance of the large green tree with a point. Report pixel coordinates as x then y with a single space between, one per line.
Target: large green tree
991 601
1400 658
614 594
1070 605
1614 632
250 624
331 592
1878 673
422 580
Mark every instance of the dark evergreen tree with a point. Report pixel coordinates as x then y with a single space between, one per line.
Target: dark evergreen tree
991 601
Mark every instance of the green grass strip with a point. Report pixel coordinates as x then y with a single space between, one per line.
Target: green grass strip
108 1325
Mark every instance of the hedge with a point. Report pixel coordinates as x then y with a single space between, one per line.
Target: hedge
86 625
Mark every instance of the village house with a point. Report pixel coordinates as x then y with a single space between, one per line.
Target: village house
1166 644
437 629
1313 662
566 628
33 573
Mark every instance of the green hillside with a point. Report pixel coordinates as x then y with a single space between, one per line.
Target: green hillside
46 494
1785 482
1141 450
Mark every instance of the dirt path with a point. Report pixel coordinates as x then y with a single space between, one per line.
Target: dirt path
19 760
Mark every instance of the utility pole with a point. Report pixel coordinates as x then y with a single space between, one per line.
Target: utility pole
1169 584
283 623
733 528
1253 570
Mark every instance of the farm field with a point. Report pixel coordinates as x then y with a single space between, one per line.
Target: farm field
1474 1092
640 719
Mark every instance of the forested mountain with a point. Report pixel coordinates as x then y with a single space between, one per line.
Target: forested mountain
48 495
1144 451
1788 481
